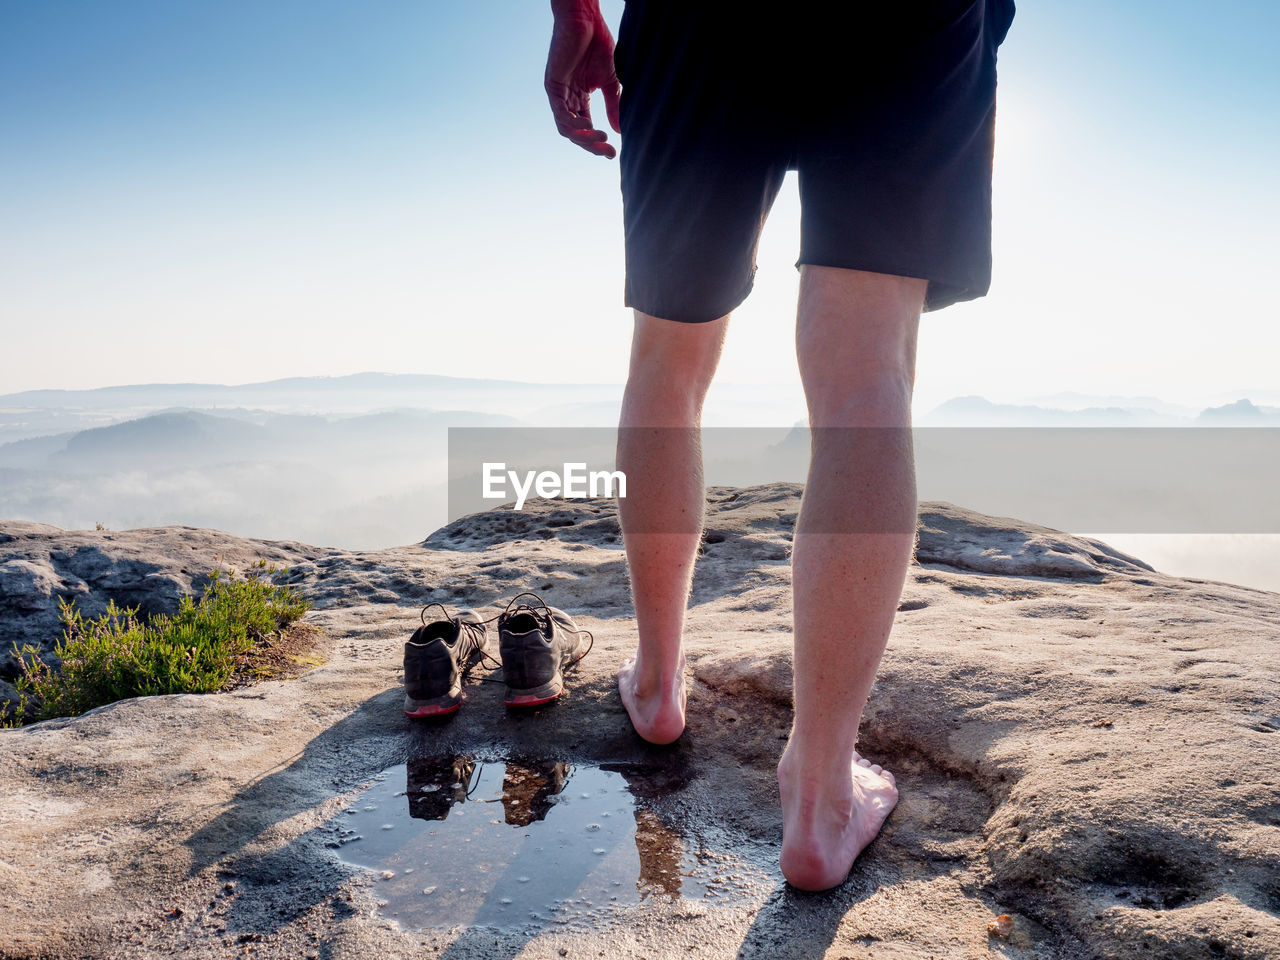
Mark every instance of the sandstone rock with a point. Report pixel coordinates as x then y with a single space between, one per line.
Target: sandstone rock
1082 743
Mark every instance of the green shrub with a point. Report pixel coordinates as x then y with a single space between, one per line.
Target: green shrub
121 655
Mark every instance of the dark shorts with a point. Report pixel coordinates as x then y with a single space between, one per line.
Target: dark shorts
886 110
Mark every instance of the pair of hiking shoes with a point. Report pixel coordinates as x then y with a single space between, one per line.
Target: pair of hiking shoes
536 643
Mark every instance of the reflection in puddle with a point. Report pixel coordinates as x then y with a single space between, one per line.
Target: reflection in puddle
521 843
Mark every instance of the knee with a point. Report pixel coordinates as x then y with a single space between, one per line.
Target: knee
856 342
870 399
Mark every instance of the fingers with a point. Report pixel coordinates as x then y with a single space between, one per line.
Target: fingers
594 141
612 97
590 139
575 124
586 137
602 149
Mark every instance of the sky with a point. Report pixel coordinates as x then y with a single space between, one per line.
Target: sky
241 190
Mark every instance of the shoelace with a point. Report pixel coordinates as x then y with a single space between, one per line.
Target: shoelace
531 609
473 780
470 626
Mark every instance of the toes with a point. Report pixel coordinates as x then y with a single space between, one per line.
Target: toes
875 768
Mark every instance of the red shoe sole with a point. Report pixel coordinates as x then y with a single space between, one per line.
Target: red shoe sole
530 701
432 711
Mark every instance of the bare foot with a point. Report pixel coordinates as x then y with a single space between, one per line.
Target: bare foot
656 713
827 823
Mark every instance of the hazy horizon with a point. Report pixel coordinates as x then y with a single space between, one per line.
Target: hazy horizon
366 383
350 462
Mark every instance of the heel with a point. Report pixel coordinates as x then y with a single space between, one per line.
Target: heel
432 681
534 696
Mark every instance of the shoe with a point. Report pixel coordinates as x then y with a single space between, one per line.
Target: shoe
437 658
434 785
530 789
536 642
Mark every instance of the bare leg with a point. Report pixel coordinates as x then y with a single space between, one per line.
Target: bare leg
856 338
671 368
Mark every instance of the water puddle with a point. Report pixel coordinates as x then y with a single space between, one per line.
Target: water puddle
521 844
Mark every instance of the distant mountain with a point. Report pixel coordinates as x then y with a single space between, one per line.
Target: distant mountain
1260 395
325 393
974 411
381 477
35 413
603 413
33 453
206 394
1072 400
189 438
1242 413
372 478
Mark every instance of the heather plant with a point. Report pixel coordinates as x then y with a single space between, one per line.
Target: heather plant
121 654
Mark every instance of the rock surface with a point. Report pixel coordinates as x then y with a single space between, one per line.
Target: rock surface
1082 743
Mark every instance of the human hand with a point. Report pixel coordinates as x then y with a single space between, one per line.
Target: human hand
580 62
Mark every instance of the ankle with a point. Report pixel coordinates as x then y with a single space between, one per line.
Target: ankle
816 758
656 677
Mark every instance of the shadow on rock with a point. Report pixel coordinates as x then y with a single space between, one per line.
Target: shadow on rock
793 925
275 888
